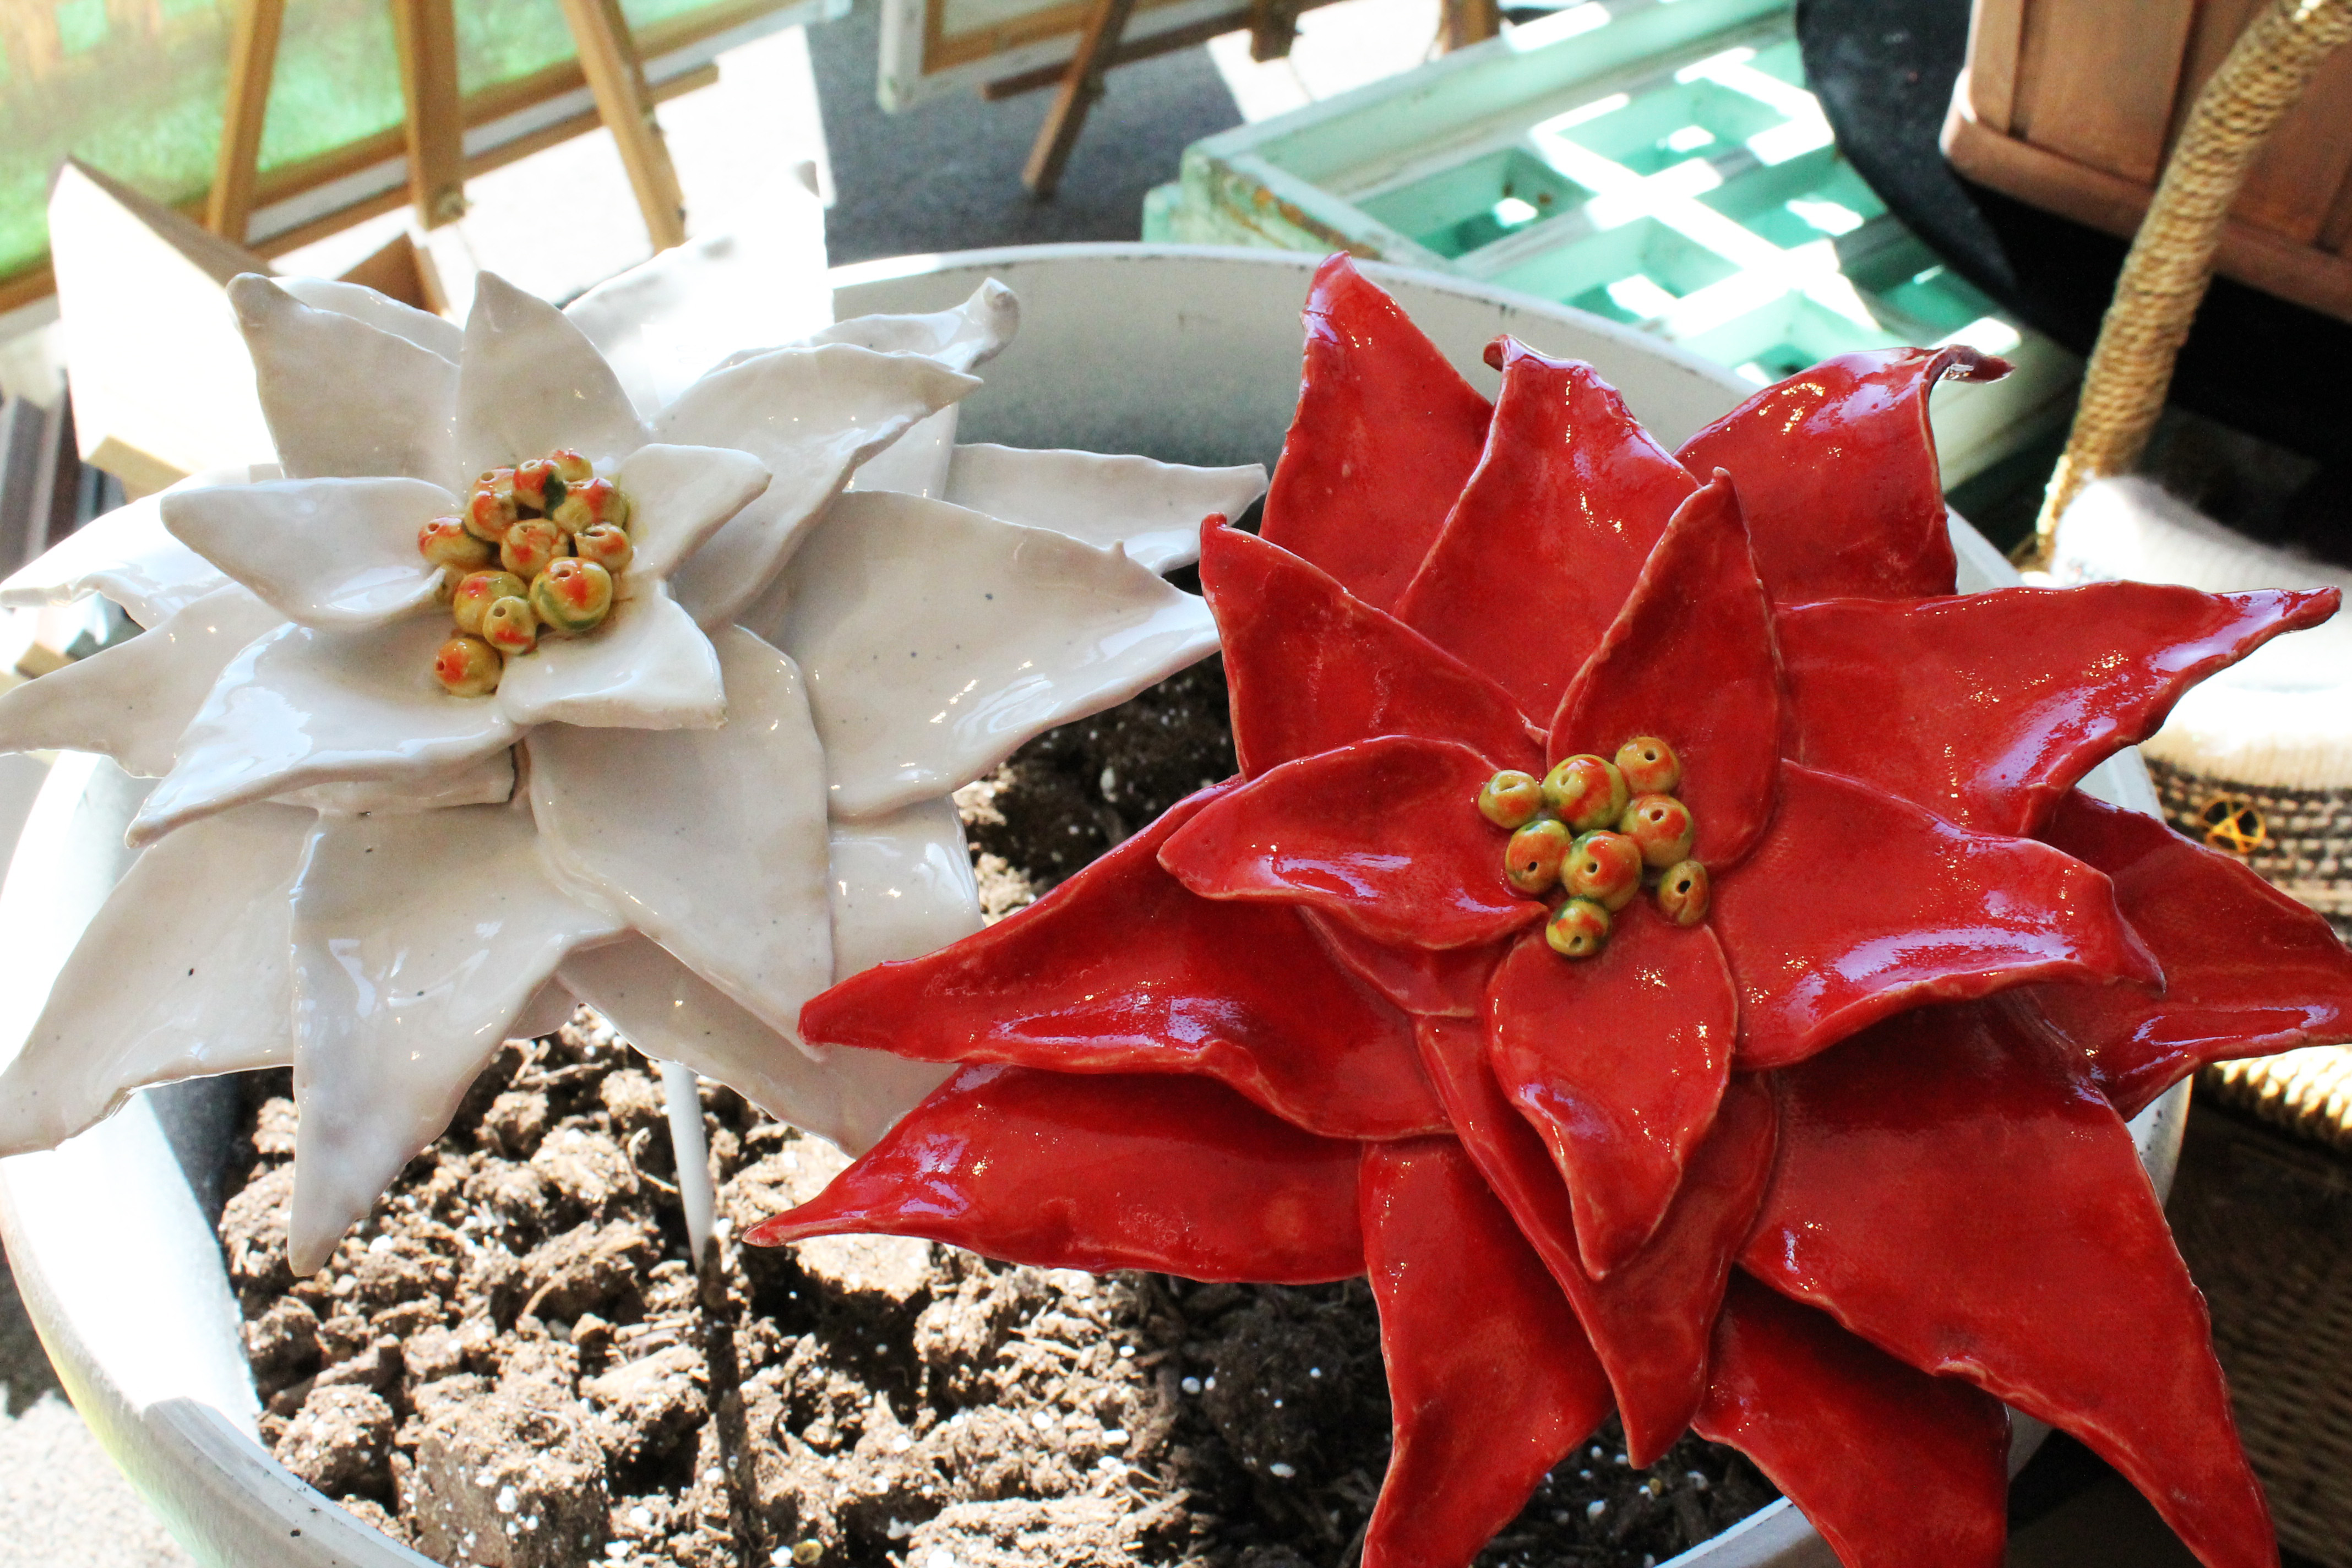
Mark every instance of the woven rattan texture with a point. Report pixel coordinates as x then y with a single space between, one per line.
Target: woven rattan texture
2265 1226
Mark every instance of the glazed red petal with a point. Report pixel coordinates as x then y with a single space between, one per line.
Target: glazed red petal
2249 971
1836 466
1618 1061
1650 1320
1310 667
1386 435
1953 1188
1121 970
1101 1171
1857 905
1385 834
1690 659
1437 982
1895 1469
1547 540
1490 1379
1986 709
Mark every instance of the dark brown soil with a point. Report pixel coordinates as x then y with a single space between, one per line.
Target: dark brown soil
512 1364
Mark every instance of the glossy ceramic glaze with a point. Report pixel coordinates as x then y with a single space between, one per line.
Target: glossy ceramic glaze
94 1248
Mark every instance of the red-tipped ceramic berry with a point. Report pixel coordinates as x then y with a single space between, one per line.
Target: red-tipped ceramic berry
477 591
1531 860
591 502
572 596
1586 792
1509 799
490 508
1661 825
445 543
607 544
510 627
531 546
571 466
1578 929
1605 866
1683 893
468 666
1650 766
538 487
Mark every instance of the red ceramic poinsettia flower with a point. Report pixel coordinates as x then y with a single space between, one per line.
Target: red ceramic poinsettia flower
1831 1174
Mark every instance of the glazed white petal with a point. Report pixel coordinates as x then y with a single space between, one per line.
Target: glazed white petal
664 323
132 700
680 497
648 666
671 1014
484 781
126 554
344 397
811 415
436 333
338 555
183 973
936 640
711 841
970 334
916 464
301 707
902 887
417 942
532 382
1154 509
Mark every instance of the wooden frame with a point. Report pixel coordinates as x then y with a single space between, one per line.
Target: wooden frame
2073 105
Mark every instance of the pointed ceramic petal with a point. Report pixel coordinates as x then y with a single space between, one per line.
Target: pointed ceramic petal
811 416
532 384
298 707
1120 970
2248 971
1987 708
1153 508
134 701
182 974
648 666
680 497
483 781
1490 1387
417 941
1690 659
1619 1062
343 398
1650 1321
669 320
902 886
1100 1172
713 840
1857 905
1893 1467
967 336
1386 435
1954 1189
1539 552
1836 469
337 554
936 640
671 1014
1385 834
127 555
1437 982
1311 667
437 334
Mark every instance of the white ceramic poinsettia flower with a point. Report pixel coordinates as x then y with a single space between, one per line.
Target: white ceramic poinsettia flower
693 818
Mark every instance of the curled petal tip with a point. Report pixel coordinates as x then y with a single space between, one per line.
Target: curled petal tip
1962 363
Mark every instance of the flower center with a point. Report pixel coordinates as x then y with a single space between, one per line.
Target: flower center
1595 830
538 551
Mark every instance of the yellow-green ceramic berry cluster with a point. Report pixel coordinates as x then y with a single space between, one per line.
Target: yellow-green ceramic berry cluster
1595 829
538 550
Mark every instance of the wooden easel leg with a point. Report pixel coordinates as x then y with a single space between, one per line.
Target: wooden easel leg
1273 27
427 34
1470 22
252 62
1080 87
617 78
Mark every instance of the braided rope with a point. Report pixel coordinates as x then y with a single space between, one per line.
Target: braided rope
2172 260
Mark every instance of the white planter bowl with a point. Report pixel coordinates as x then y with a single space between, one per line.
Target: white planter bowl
1187 354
